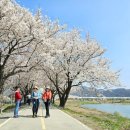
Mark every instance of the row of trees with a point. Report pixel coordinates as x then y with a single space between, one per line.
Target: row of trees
39 50
21 34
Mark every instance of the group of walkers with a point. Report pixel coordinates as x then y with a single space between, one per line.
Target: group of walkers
35 99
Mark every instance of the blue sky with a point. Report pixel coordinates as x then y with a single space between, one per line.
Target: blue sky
108 21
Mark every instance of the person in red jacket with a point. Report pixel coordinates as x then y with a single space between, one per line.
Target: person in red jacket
18 98
47 95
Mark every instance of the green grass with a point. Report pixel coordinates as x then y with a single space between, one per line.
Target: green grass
97 120
8 107
112 122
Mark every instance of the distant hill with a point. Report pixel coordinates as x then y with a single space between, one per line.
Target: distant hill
121 92
87 92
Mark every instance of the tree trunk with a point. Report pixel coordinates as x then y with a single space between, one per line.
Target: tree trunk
53 99
25 98
65 96
1 79
62 102
1 87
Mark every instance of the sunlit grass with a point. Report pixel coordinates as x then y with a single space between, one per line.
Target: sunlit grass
95 119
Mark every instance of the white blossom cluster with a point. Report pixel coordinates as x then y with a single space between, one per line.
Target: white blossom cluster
79 60
35 43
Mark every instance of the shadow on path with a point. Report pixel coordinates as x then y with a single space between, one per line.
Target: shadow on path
24 116
29 116
6 117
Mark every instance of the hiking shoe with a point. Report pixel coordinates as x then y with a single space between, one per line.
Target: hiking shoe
15 116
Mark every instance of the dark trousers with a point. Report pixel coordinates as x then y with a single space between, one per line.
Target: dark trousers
29 101
47 104
35 106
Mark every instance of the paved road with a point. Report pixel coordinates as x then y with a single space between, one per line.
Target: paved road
58 121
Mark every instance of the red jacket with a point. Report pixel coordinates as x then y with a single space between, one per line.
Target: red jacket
47 95
17 96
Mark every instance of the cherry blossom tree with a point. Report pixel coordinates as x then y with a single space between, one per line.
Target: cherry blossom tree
21 34
35 44
74 61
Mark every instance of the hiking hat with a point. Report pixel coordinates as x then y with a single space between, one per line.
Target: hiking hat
47 87
35 87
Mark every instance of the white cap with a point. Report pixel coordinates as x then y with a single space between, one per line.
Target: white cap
47 87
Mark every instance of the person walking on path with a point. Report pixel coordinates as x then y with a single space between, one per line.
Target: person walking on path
29 99
35 101
18 98
47 95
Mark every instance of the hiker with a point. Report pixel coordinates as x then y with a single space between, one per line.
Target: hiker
35 101
47 99
29 99
18 98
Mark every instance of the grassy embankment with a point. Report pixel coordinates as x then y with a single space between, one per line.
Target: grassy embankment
10 107
95 119
7 107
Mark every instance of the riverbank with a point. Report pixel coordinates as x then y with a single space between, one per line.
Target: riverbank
95 119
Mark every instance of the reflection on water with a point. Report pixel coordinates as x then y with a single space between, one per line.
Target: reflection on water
124 110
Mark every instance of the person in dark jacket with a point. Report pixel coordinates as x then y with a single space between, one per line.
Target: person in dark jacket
18 98
29 99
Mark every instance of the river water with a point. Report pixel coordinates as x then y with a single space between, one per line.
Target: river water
123 109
